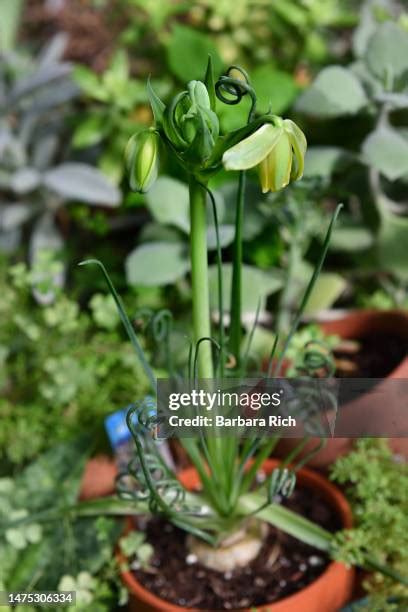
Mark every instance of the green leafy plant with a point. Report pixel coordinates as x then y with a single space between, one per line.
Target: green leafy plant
283 215
115 108
274 40
371 168
377 485
262 30
57 361
390 294
77 553
254 30
38 177
135 548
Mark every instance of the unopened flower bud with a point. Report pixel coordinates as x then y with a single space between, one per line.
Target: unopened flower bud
190 124
142 160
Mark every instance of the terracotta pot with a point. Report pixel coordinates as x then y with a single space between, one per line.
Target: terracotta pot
361 323
326 594
98 479
353 326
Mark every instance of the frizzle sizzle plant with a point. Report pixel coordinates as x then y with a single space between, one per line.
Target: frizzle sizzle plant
189 128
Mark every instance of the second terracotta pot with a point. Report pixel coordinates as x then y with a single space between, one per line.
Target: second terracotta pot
355 326
98 479
328 593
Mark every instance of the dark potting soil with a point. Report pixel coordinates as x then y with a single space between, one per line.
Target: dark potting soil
175 577
377 356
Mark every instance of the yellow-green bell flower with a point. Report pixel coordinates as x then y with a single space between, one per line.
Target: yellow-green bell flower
141 157
277 149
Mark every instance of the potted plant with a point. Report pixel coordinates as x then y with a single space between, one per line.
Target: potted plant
375 346
379 350
376 485
98 479
223 512
325 586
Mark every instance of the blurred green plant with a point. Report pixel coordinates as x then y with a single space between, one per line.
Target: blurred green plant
369 99
289 32
251 32
310 352
286 211
377 487
37 176
156 14
275 40
387 293
116 105
56 360
134 546
75 554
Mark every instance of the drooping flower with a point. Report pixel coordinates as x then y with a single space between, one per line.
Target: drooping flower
142 160
277 149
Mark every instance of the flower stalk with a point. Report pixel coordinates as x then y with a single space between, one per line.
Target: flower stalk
230 89
189 128
235 337
199 278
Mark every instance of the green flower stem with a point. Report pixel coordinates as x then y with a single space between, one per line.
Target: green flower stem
201 314
236 286
199 277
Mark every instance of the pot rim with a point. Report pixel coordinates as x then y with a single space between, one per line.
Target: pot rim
305 476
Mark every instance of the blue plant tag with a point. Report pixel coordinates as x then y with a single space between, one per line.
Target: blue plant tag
116 426
121 439
117 429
